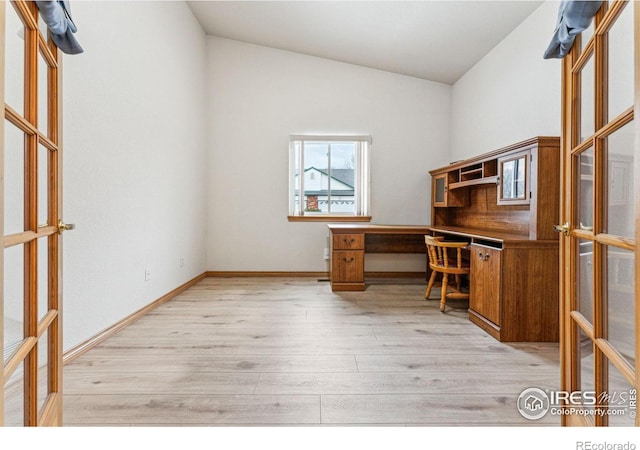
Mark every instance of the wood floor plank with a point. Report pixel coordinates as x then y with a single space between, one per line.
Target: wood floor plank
192 410
288 352
467 409
520 362
144 361
130 382
433 382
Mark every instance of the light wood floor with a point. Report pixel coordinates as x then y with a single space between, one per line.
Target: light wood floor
248 351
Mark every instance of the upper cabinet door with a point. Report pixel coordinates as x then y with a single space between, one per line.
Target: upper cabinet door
513 179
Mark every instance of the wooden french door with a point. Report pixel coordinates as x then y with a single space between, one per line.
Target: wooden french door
30 313
599 248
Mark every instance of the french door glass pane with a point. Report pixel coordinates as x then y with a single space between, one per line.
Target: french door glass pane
621 163
620 295
43 184
13 299
587 96
43 92
584 291
14 398
586 34
621 71
43 277
14 61
42 26
42 369
586 363
618 392
13 179
585 189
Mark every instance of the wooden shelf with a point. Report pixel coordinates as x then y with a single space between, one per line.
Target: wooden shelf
476 181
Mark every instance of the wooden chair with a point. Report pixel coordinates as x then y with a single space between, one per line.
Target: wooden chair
441 261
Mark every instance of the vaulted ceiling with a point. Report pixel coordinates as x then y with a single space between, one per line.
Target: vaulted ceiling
433 40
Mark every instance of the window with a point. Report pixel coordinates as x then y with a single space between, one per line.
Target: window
329 177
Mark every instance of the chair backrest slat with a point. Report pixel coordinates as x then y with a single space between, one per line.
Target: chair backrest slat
437 251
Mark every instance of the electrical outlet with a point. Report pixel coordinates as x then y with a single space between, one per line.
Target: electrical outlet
326 254
182 261
147 274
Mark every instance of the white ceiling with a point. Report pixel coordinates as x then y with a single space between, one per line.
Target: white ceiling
434 40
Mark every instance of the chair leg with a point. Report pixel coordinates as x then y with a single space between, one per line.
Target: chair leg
443 296
432 280
458 282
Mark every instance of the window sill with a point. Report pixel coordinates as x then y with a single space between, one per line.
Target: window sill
328 218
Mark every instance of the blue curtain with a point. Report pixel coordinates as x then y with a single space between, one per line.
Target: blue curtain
573 18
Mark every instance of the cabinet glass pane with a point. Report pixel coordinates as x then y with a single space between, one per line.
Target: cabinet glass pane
587 100
620 295
519 182
621 163
13 299
440 189
619 395
512 179
585 189
508 176
14 399
14 60
13 179
621 71
584 291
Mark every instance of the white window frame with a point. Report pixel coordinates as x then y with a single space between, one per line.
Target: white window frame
362 186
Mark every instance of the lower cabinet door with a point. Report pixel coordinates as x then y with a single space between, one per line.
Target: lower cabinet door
485 282
347 267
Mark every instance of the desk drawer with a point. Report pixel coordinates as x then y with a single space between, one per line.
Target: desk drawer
347 267
348 241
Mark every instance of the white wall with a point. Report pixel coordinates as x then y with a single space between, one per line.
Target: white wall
134 160
258 96
512 94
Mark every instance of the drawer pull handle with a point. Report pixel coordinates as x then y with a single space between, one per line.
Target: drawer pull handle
483 257
350 260
349 242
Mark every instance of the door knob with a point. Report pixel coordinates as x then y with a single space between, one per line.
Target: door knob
65 226
564 228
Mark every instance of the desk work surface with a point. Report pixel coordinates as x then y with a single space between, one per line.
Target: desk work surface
474 233
378 229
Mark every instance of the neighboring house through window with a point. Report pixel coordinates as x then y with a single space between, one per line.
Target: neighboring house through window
329 176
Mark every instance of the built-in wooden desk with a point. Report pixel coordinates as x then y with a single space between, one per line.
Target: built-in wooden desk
350 242
505 203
